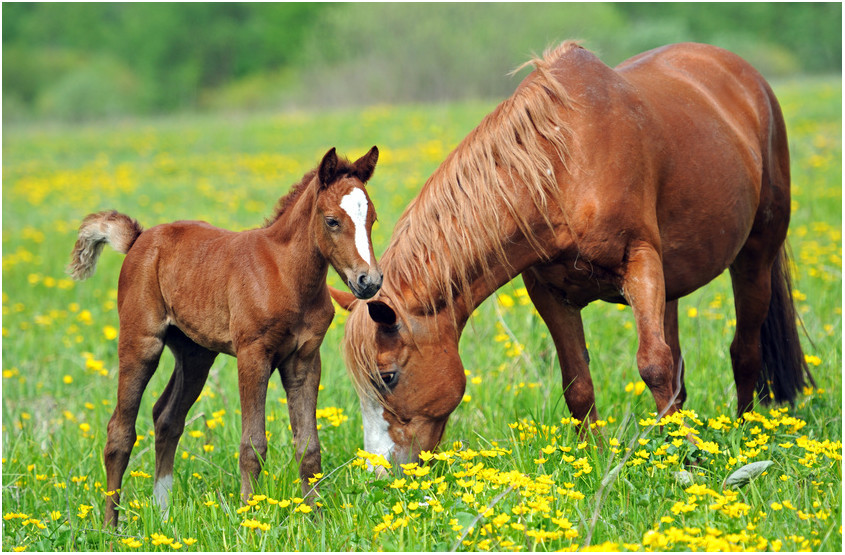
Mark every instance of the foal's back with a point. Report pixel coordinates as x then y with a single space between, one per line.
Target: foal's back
199 277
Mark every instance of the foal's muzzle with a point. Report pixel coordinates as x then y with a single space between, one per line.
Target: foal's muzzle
366 284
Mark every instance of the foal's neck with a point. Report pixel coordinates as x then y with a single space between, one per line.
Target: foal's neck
292 233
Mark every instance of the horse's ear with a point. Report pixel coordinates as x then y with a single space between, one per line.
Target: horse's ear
344 298
365 165
328 168
381 313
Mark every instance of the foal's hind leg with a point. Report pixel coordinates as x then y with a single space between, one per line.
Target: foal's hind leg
189 375
139 354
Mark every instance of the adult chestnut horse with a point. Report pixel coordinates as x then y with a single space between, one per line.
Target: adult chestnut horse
633 185
259 295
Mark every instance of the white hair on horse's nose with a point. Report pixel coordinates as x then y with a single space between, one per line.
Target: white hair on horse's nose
376 437
355 204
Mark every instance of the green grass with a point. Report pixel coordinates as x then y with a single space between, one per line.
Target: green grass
513 468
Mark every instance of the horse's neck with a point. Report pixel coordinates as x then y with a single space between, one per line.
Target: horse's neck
488 272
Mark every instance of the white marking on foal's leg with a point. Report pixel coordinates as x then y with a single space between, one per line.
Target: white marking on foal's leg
161 491
355 204
376 437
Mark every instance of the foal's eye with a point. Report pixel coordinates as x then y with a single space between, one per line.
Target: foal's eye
332 223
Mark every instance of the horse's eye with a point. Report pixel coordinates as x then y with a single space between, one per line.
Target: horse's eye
389 378
332 223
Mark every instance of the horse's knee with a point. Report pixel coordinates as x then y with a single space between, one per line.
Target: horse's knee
580 399
309 460
252 454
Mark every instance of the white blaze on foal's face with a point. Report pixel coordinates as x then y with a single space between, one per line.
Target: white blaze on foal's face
356 205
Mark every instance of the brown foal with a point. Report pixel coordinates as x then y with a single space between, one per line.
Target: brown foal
258 295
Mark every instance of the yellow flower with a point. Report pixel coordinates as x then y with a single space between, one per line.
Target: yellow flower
505 300
67 379
255 524
813 360
110 332
159 539
132 543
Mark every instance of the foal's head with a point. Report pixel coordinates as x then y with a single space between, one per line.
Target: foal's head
343 219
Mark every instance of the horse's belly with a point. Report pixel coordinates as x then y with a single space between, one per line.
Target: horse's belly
692 261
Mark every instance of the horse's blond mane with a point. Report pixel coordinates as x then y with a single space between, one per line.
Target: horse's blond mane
446 236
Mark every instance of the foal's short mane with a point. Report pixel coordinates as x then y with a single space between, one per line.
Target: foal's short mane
344 167
446 235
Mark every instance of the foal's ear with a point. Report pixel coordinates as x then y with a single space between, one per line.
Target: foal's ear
344 298
381 313
365 165
328 168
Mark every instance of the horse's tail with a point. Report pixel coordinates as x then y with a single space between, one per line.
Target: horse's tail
785 371
118 230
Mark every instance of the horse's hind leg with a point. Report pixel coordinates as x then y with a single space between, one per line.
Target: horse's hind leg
751 279
567 331
189 376
139 355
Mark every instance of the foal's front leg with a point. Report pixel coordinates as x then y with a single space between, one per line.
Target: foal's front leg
301 380
254 368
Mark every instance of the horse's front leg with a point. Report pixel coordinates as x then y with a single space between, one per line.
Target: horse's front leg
567 331
254 368
301 380
644 288
670 330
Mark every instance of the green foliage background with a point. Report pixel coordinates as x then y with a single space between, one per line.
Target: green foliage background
80 61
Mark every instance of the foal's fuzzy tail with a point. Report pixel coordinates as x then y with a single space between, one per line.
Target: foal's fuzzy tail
118 230
785 371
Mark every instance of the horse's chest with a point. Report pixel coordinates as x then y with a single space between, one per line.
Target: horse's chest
579 282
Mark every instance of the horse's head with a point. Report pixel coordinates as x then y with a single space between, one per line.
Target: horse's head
343 220
408 375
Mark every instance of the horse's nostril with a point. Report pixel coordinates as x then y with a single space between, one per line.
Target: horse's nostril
362 280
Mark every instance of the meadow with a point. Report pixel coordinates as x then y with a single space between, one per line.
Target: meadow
512 473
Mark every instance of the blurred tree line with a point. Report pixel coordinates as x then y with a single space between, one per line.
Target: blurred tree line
76 61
